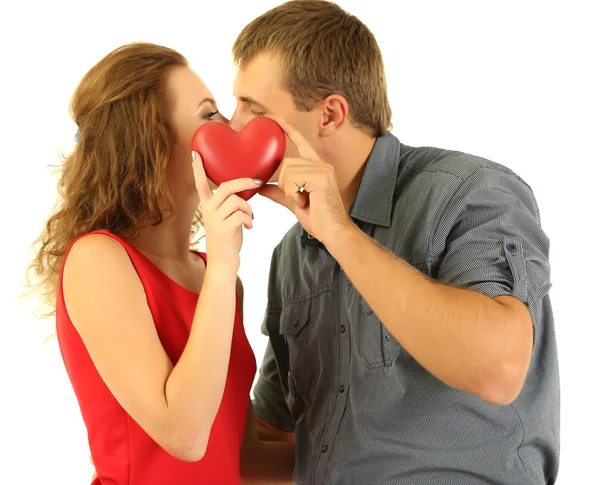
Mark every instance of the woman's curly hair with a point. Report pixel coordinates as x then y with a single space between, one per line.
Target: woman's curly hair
115 179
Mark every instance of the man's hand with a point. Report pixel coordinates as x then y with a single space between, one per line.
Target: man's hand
265 462
267 432
308 187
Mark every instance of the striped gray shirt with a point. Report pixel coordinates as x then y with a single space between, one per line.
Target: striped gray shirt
364 410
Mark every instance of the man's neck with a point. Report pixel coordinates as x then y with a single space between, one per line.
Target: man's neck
348 154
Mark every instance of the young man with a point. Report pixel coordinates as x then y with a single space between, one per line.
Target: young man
411 338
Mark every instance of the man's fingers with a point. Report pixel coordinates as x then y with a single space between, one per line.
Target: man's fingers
304 147
277 195
293 177
295 192
298 178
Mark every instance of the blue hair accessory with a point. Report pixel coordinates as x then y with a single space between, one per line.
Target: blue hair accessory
77 136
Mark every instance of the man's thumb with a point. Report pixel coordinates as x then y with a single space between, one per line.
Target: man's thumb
274 193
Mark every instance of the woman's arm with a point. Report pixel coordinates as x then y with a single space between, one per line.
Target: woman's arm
175 405
107 304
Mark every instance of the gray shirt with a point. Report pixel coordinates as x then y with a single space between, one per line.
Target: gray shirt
363 409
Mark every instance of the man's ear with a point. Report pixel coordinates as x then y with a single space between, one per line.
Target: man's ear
334 109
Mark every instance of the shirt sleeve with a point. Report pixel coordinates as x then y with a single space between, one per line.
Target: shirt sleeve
491 240
269 401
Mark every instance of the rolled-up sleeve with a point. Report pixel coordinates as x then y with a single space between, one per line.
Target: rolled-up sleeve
492 237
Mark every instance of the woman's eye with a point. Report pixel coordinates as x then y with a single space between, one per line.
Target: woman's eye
211 115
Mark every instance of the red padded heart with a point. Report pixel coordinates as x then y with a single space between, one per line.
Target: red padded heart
255 151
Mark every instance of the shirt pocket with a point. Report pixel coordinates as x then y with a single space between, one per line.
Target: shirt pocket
294 326
378 347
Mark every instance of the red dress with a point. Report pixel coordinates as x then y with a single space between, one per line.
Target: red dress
122 451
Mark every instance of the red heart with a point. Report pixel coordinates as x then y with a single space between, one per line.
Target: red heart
255 151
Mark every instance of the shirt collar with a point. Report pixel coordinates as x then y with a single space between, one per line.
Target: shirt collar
375 197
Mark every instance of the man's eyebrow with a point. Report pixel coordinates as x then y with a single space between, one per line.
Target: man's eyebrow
207 100
249 100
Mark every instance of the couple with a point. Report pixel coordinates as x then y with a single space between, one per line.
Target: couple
410 330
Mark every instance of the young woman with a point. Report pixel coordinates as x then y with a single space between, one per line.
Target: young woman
150 332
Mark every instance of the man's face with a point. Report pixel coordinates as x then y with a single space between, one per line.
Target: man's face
257 88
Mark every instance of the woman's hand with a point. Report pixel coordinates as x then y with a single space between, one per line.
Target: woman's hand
223 215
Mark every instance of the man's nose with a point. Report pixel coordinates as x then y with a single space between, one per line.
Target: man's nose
237 121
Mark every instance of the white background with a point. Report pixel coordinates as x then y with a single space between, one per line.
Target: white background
510 81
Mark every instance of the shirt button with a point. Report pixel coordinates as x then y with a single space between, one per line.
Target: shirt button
343 328
387 337
296 323
325 448
342 388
